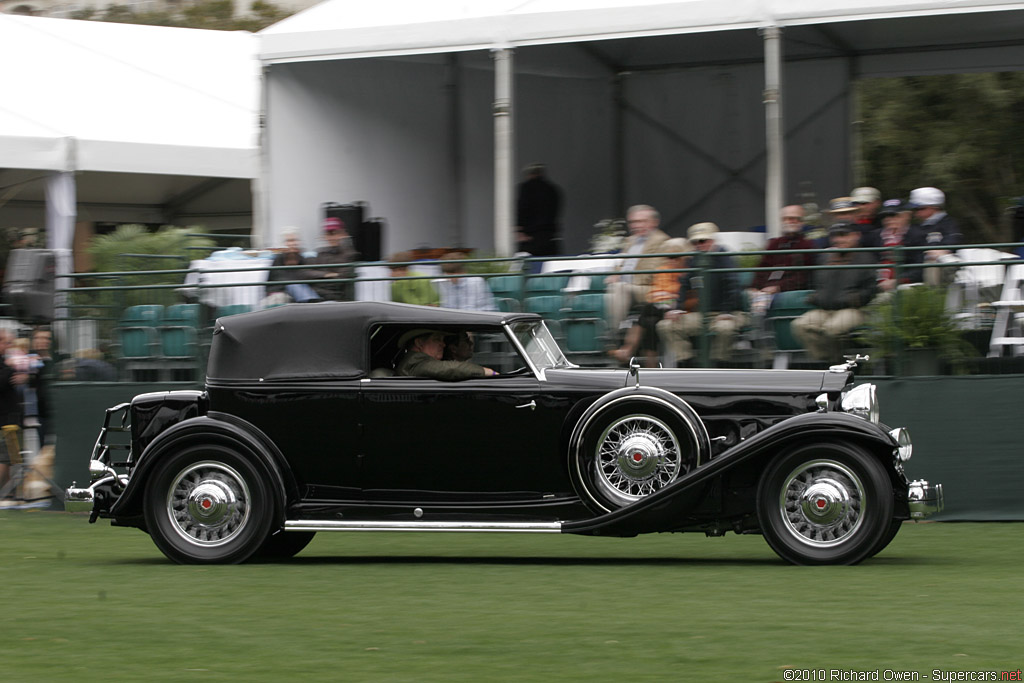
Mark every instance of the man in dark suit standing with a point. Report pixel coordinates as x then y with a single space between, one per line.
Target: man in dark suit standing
538 204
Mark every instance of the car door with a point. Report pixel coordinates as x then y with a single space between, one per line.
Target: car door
489 439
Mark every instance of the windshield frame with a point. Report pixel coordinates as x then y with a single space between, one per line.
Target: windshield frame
537 345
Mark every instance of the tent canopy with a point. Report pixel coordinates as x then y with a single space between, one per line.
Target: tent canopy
144 115
627 101
338 28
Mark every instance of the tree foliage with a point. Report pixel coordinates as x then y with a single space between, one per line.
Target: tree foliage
205 14
962 133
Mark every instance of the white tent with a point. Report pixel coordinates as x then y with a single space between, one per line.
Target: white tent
142 123
708 110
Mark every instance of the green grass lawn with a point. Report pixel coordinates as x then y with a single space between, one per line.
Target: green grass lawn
86 603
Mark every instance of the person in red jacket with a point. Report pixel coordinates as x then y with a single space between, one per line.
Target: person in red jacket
768 283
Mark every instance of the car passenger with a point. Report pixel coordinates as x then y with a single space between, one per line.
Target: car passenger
424 358
459 346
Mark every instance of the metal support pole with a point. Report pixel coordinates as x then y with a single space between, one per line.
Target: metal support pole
503 152
774 196
453 86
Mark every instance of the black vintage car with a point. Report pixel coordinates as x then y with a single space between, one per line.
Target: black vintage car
304 427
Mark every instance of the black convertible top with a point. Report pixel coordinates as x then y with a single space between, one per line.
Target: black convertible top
324 340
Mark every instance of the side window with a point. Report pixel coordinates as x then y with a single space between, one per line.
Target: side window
494 350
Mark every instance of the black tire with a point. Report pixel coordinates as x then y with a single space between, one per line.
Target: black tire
208 504
894 528
284 545
825 503
632 448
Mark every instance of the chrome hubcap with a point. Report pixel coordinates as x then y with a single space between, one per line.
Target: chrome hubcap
208 503
822 503
636 456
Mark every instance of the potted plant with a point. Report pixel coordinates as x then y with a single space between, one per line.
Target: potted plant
914 328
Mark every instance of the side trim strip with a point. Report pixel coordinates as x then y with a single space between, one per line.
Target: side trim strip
361 525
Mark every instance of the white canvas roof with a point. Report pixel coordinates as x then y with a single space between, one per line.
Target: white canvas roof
342 28
96 96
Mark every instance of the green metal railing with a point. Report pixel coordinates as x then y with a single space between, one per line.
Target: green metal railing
103 297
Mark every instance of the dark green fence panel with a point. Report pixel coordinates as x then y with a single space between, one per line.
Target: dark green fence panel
967 436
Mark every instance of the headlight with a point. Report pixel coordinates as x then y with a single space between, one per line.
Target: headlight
862 402
904 448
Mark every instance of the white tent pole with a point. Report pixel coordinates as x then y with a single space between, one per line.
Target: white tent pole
61 213
503 156
774 152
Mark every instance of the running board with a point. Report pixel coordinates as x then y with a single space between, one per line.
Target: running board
361 525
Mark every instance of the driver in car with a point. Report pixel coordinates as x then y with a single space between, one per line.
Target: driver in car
424 357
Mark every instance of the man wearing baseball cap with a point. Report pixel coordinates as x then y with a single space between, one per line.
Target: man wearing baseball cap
934 228
839 296
868 201
339 250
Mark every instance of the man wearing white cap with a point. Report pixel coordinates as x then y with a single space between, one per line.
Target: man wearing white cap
868 201
934 228
719 311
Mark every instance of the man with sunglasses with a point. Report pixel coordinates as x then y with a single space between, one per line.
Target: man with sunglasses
838 297
706 301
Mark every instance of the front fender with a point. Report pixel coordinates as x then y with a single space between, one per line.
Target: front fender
662 510
235 433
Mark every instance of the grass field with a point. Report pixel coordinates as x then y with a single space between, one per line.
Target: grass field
89 603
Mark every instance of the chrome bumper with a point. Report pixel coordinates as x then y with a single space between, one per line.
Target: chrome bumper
79 500
83 499
924 499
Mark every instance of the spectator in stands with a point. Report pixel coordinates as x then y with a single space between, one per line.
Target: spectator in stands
424 357
464 293
338 251
661 297
768 283
627 290
419 291
895 215
868 201
935 228
708 301
291 255
839 295
538 203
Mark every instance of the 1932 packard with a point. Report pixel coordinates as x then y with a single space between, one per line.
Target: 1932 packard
303 426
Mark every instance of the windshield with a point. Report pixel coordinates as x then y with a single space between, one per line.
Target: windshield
540 346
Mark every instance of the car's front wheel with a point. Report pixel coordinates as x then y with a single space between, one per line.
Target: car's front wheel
825 503
208 504
284 544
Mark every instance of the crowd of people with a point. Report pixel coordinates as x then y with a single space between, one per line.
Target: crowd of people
658 303
681 308
25 375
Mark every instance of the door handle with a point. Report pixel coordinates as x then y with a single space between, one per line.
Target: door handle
532 405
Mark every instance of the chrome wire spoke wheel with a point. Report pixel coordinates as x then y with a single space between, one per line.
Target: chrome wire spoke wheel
636 456
822 503
208 503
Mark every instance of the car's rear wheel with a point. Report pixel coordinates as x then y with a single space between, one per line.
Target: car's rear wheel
633 448
825 503
284 544
208 504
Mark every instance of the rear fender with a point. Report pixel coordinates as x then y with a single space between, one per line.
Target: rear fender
232 432
661 510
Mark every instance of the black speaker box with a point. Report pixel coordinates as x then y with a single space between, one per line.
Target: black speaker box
368 242
29 284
